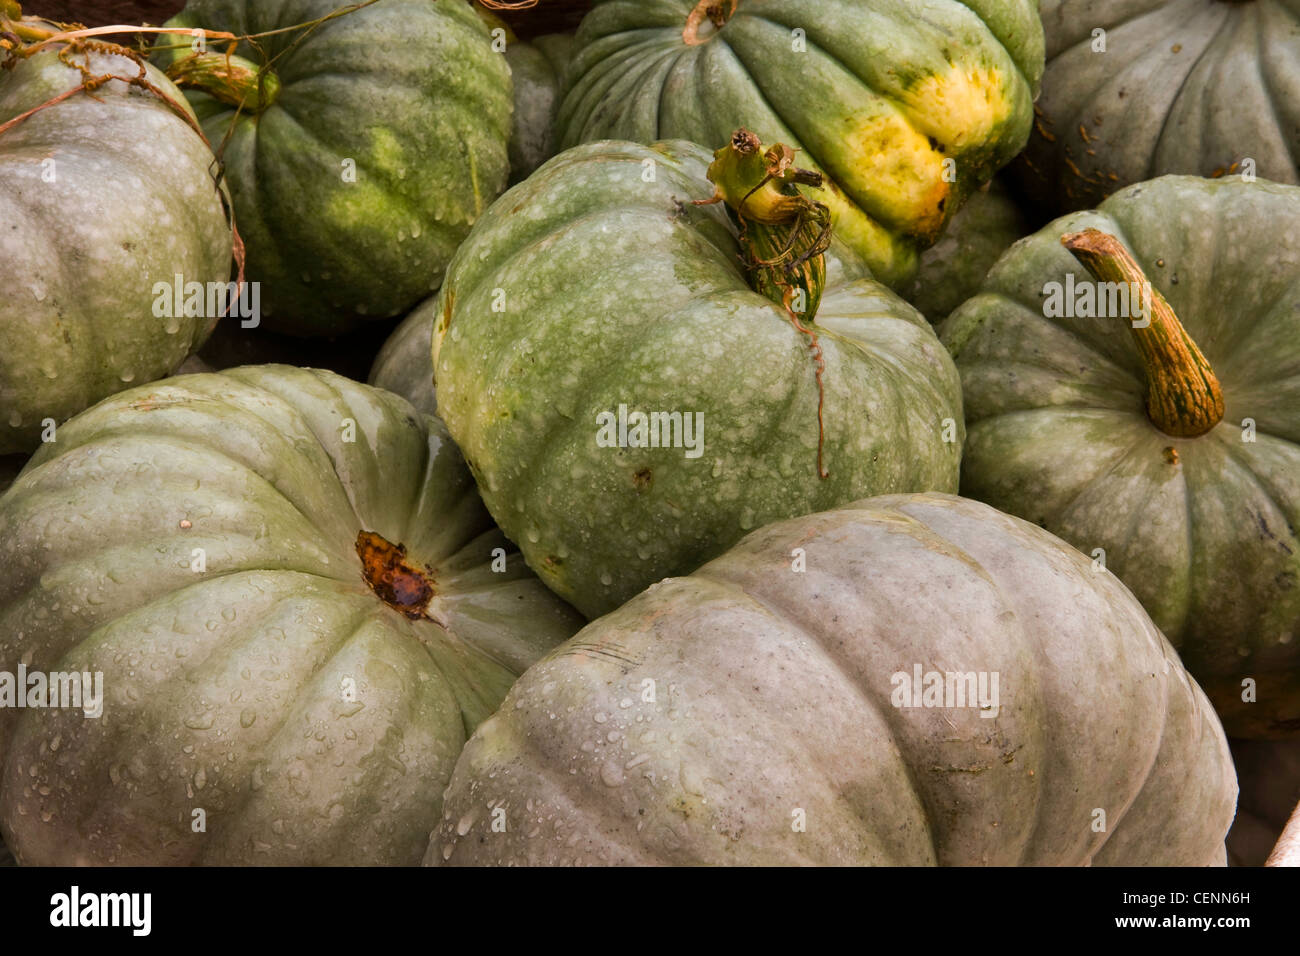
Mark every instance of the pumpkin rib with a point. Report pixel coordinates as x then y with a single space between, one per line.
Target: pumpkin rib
1278 121
889 716
1085 38
1210 44
180 444
464 500
624 89
271 745
103 794
1289 519
599 80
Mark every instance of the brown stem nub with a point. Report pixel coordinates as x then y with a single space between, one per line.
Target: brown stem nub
715 12
1184 398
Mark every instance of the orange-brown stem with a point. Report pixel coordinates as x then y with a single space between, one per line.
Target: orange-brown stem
1184 398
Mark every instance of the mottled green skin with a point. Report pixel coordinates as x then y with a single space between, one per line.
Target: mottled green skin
404 364
772 692
537 69
1059 434
618 291
132 203
952 270
1185 86
224 689
414 94
869 102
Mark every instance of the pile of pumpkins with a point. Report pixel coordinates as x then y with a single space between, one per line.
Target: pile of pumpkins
619 557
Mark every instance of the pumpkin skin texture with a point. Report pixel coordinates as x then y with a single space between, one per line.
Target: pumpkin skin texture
536 69
773 692
1203 530
1184 86
404 365
412 93
880 98
621 291
131 202
226 688
952 270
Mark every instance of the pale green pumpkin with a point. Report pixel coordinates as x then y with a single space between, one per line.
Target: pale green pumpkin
749 714
597 283
1136 89
105 200
1124 455
197 542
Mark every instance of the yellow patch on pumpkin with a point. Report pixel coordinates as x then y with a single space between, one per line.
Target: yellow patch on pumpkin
961 108
898 173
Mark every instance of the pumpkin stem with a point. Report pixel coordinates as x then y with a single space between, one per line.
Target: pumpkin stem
403 586
231 79
714 12
784 236
1184 398
20 31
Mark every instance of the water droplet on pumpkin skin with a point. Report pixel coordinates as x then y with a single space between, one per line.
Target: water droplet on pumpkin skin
127 376
464 823
203 721
612 775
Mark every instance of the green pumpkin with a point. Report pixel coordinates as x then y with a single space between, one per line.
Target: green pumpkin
105 200
1110 437
536 68
749 715
597 285
952 270
874 95
360 159
200 542
1181 86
